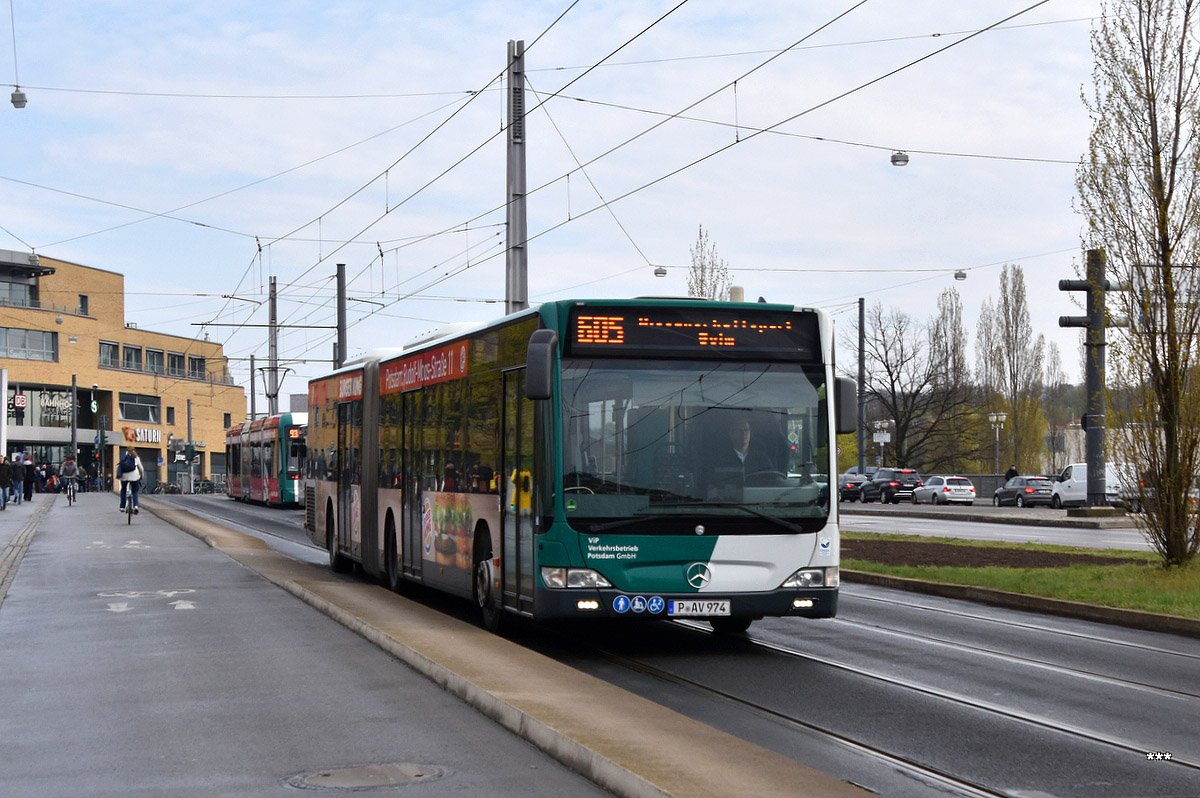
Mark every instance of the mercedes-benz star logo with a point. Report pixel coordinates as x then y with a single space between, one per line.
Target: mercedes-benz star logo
698 575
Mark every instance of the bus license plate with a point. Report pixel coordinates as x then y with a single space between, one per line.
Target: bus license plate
698 607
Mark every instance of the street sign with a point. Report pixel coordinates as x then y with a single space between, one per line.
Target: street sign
883 437
19 401
95 406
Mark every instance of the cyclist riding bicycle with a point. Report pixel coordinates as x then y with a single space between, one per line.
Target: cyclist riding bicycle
69 474
130 472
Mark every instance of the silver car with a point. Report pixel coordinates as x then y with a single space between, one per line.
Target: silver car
945 490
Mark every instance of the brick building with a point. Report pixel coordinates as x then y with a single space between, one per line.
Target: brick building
60 321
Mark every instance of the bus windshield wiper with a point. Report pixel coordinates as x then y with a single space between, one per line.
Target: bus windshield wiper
644 515
785 524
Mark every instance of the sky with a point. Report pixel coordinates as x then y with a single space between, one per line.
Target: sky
202 148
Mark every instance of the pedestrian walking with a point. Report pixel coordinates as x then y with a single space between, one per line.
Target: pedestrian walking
31 478
5 481
18 477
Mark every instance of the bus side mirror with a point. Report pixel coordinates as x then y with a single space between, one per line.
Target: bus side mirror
845 411
539 364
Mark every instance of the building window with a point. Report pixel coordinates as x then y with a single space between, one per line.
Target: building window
170 415
174 364
154 361
196 368
228 420
21 294
28 344
109 356
83 305
137 407
131 358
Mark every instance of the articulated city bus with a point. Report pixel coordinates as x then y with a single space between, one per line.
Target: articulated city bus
265 458
637 459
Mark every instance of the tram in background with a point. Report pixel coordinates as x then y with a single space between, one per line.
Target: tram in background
558 463
265 458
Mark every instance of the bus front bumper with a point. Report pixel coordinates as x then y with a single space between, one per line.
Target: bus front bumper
583 603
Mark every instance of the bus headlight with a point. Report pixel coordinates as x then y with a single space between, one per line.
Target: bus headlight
573 577
814 577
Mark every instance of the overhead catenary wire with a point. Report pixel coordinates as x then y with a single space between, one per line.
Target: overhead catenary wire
790 118
493 136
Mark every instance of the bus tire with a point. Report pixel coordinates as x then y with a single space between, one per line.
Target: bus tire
338 562
730 625
483 580
395 581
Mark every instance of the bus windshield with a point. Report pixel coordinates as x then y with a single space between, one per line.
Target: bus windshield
654 447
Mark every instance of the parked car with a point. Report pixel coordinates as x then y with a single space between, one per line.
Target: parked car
890 485
1024 492
850 486
1136 495
203 486
1071 488
945 490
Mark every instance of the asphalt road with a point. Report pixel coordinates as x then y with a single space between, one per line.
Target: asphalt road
140 662
914 695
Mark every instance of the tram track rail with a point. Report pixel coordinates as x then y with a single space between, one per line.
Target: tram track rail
966 701
1026 625
1017 659
908 765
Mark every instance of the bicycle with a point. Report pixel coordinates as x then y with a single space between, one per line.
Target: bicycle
127 494
70 492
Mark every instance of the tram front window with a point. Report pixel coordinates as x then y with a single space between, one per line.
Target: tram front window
650 447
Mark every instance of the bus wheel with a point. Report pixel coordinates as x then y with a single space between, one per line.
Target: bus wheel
338 562
391 567
730 625
489 607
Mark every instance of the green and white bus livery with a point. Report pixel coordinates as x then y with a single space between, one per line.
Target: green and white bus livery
639 459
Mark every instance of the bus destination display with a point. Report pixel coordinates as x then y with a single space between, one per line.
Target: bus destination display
688 332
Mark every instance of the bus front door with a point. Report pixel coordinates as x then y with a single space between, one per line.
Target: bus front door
516 552
410 485
349 477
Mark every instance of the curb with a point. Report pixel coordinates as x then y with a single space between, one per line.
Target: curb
1134 619
1120 522
624 765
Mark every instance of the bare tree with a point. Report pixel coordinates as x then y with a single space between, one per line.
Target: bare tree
1139 188
956 435
709 274
1056 407
905 386
1010 367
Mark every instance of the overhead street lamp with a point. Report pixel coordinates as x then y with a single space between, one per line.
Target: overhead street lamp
997 421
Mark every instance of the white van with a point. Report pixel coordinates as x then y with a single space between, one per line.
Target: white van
1071 488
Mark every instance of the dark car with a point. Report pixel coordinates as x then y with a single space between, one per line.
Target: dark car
849 487
1024 492
890 485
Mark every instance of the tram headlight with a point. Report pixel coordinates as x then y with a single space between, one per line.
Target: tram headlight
573 577
814 577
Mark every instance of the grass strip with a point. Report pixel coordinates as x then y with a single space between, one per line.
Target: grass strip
1135 587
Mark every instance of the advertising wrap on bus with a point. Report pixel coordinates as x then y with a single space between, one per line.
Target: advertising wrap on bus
673 461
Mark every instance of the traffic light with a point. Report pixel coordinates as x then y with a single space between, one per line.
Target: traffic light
189 452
